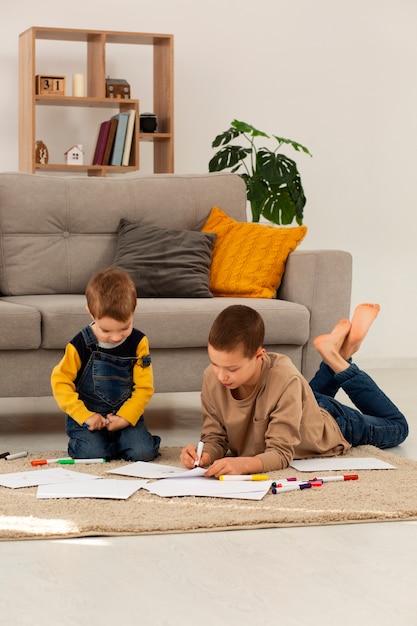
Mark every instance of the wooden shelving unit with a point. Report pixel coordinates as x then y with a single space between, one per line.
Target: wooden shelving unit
98 45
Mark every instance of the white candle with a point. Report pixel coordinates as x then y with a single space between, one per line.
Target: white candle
78 85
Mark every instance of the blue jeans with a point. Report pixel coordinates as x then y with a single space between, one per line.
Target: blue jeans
133 443
105 384
375 421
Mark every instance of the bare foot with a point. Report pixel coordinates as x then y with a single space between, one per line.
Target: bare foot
329 346
362 320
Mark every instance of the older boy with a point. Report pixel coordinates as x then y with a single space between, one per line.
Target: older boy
104 381
259 412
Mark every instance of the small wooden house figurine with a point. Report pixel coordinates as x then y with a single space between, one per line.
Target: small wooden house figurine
75 155
117 88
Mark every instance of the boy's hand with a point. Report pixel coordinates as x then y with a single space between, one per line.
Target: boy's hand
235 465
115 422
96 422
111 422
189 457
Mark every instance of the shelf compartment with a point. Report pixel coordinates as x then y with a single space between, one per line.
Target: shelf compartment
97 45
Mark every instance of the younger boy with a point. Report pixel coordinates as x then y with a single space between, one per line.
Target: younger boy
259 408
104 380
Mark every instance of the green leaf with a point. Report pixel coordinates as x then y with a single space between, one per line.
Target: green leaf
243 127
225 138
228 157
276 190
297 146
275 168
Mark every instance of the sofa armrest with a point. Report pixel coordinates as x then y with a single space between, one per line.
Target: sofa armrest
321 280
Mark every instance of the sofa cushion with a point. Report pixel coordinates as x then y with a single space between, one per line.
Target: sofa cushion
165 263
56 232
186 323
168 322
60 317
20 326
248 259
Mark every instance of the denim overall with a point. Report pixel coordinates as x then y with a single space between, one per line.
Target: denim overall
104 386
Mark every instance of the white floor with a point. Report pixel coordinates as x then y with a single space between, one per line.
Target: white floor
363 574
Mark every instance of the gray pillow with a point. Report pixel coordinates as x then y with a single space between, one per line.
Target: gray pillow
165 263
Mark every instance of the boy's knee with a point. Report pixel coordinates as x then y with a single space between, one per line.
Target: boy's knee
399 435
403 431
79 449
147 452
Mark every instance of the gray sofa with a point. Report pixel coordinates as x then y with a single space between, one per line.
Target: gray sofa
56 231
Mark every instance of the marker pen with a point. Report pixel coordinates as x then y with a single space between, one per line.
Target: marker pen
244 477
316 482
288 481
4 454
74 461
200 447
327 479
37 462
276 490
17 455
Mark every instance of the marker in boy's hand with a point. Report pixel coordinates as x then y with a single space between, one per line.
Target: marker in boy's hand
200 447
189 456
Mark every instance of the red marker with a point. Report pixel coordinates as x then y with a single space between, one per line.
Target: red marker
327 479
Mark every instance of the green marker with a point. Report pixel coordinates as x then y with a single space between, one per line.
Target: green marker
73 461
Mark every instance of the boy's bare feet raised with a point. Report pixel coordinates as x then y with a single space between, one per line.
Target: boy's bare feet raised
337 347
330 345
362 320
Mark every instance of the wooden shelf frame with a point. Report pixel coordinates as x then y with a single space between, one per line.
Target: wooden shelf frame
98 43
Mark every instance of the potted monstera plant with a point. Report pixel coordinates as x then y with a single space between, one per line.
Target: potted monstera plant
273 183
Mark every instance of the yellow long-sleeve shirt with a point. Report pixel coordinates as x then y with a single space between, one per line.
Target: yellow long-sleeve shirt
278 422
65 375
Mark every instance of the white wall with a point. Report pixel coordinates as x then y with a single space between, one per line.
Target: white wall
339 77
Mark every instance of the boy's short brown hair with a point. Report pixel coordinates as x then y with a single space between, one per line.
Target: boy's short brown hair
111 293
238 325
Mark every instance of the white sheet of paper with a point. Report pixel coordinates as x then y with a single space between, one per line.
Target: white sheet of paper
42 477
339 463
111 488
146 469
212 487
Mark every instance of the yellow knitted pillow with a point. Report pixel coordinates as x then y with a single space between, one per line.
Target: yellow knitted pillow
248 259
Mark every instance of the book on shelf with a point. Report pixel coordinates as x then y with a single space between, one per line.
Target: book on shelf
101 142
119 140
129 137
110 141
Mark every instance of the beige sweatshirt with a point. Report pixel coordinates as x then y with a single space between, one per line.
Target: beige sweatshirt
279 421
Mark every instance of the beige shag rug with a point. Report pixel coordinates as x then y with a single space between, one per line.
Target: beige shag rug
378 495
